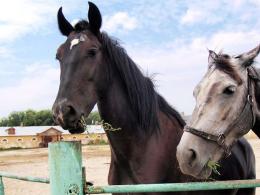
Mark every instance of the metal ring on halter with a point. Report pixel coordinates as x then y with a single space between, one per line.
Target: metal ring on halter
221 142
221 139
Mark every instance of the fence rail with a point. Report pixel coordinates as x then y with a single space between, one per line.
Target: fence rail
68 177
174 187
24 178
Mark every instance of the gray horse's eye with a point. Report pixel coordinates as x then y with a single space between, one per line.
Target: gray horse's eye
229 90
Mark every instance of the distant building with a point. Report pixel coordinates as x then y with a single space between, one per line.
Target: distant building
40 136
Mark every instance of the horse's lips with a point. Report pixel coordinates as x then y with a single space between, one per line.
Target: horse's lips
79 128
203 173
76 130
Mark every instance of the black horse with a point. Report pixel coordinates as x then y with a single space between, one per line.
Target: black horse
96 69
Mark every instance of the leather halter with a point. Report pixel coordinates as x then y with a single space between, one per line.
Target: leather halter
248 106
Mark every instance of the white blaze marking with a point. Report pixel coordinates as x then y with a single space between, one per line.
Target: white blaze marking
76 41
73 43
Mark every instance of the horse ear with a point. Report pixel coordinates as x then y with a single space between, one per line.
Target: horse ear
65 27
246 59
212 57
94 18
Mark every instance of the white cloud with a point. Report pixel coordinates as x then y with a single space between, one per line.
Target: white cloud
5 53
20 17
192 16
119 21
234 42
6 73
206 14
212 12
180 66
36 89
255 2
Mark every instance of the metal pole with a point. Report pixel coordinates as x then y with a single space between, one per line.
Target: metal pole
24 178
65 163
174 187
1 187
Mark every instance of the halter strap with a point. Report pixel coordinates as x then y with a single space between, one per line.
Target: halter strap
220 139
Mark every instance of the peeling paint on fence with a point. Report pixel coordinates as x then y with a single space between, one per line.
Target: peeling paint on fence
65 163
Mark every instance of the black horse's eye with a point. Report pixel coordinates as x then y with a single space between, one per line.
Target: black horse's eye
229 90
91 53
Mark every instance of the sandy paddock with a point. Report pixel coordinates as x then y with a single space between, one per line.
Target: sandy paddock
34 162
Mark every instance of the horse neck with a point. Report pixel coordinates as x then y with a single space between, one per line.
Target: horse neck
115 108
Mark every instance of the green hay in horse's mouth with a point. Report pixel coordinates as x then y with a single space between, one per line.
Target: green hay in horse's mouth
214 166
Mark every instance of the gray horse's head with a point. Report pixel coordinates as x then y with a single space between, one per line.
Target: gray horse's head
222 113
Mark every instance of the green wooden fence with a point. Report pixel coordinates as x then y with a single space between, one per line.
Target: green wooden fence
67 177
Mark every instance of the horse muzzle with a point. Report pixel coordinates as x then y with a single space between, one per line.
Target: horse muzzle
67 116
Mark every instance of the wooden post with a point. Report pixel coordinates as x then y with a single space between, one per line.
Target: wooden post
65 165
1 186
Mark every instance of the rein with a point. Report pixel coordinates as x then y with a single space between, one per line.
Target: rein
248 107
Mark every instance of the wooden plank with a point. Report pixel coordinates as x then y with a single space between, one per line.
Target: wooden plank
65 164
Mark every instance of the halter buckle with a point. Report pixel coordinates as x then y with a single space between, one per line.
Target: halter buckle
221 139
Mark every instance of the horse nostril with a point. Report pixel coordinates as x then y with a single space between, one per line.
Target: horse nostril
192 156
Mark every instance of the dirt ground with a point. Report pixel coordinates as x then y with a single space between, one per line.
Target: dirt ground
34 162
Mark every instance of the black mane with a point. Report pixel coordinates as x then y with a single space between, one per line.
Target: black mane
144 100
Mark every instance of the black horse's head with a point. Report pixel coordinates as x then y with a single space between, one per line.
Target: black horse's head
80 58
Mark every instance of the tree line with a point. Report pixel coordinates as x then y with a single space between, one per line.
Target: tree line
39 118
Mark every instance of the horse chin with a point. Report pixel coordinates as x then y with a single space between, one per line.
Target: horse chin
78 128
76 131
204 173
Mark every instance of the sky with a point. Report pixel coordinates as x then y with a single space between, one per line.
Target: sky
168 40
